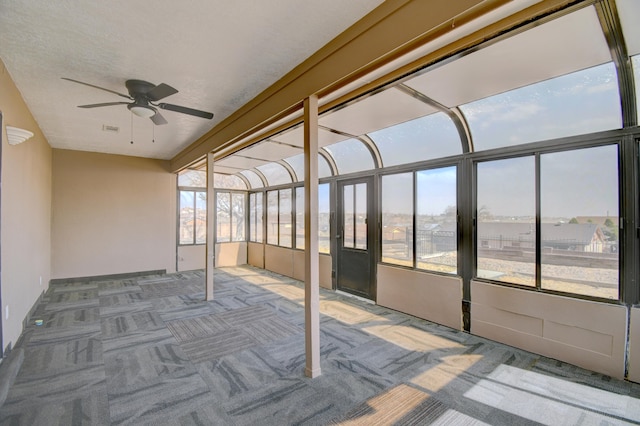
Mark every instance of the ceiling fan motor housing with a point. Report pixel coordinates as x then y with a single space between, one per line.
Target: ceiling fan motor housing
138 88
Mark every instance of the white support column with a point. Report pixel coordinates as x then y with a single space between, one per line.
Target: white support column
311 259
211 243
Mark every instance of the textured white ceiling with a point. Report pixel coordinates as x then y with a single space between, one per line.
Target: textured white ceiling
219 54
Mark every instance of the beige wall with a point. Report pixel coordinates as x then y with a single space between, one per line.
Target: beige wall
589 334
191 257
433 297
231 254
290 262
112 214
324 268
227 254
325 265
255 254
278 259
26 213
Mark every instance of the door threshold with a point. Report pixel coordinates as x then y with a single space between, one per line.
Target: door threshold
360 298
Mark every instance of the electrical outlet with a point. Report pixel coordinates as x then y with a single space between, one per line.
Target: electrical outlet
40 280
6 312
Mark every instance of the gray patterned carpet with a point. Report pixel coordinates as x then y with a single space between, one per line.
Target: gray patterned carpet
150 351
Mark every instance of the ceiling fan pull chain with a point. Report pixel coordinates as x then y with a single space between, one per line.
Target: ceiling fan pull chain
131 128
153 134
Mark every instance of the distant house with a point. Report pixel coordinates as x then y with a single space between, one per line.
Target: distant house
583 237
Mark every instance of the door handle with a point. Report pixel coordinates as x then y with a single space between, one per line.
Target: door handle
338 237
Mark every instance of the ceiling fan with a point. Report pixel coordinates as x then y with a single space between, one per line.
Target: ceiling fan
145 96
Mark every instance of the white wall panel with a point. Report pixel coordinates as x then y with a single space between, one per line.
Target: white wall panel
586 333
436 298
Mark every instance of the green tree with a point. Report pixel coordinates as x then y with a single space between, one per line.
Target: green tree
573 220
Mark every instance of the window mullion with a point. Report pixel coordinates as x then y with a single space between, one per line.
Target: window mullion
414 223
538 245
230 216
195 219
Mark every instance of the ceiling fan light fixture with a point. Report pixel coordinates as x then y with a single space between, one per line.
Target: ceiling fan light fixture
143 111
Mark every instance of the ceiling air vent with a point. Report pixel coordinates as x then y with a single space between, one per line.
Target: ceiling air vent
114 129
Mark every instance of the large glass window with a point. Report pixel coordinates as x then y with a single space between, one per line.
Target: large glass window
506 212
201 217
355 216
230 216
579 221
259 223
361 220
436 220
193 217
285 225
228 182
636 77
323 168
582 102
192 214
252 216
348 217
272 217
255 217
425 138
279 217
432 244
193 178
300 217
628 12
275 173
324 218
187 217
253 178
238 201
297 163
397 219
223 217
351 156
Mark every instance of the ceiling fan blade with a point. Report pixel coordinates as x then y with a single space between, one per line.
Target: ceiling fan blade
103 104
185 110
158 119
160 91
97 87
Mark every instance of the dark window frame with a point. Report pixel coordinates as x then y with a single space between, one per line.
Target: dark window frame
414 169
537 149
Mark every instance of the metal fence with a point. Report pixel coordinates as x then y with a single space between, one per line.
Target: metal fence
429 243
433 242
